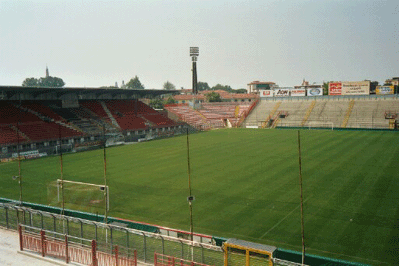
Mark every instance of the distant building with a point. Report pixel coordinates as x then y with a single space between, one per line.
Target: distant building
186 96
393 81
307 85
255 86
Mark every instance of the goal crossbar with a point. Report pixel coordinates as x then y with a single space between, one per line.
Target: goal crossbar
101 187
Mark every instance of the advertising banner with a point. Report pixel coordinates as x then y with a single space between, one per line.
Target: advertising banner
298 92
282 93
384 90
355 88
317 91
266 93
335 88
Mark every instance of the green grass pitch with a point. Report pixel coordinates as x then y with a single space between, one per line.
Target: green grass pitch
246 186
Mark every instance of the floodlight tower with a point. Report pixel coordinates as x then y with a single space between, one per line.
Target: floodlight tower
194 53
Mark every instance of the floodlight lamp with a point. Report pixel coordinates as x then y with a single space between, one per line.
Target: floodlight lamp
194 51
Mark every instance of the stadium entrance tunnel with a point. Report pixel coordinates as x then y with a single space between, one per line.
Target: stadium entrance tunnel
240 252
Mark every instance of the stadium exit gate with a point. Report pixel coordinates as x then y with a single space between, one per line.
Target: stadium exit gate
240 252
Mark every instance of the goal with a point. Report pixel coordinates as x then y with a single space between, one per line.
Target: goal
78 195
321 124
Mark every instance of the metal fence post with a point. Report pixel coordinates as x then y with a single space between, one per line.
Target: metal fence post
163 245
145 248
135 257
182 249
66 249
55 224
155 259
7 225
17 216
116 255
42 222
81 230
94 252
112 242
202 255
43 238
21 243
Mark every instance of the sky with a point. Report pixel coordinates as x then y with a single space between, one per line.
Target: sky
98 43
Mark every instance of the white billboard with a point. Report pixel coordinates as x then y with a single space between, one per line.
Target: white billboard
298 92
282 93
315 91
266 93
355 88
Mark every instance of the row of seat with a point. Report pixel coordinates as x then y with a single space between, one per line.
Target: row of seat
364 113
37 121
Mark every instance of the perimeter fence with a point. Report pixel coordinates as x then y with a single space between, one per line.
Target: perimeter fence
109 235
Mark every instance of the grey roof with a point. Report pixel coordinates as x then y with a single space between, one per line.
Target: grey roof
252 245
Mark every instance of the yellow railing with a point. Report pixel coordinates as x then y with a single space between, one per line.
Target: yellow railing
308 112
348 113
271 114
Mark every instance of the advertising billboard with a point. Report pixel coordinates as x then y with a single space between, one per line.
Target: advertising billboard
282 92
355 88
316 91
381 90
298 92
335 88
266 93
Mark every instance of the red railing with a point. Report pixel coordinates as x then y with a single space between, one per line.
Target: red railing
246 113
81 254
164 260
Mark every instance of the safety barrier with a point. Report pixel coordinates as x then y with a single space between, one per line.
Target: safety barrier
68 250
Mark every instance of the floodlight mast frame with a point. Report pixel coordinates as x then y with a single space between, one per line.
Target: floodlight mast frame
194 53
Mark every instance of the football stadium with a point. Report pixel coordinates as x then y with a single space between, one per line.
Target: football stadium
98 177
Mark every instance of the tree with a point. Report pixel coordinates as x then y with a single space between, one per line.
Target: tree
156 103
170 100
240 91
325 88
30 82
48 81
168 86
213 97
51 82
222 87
135 84
203 86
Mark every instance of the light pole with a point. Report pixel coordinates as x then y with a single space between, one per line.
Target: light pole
194 53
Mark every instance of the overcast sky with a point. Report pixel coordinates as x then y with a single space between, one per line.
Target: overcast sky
98 43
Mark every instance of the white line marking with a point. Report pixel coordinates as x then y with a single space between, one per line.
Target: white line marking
279 222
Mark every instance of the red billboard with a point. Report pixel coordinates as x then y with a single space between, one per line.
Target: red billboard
335 88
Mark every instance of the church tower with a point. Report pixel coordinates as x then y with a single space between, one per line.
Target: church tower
47 74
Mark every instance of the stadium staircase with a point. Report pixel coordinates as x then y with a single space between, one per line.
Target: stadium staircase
237 111
348 113
308 112
266 123
12 135
110 116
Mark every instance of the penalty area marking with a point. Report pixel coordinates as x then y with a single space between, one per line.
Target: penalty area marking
279 222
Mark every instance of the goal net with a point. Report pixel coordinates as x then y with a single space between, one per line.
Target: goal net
78 195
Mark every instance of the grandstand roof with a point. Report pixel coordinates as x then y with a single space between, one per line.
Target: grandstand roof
37 93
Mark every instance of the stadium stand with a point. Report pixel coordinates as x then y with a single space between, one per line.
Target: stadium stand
337 112
9 135
210 115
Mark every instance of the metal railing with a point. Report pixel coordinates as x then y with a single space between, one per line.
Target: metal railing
109 235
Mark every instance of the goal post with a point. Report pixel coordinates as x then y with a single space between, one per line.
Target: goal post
78 195
321 124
